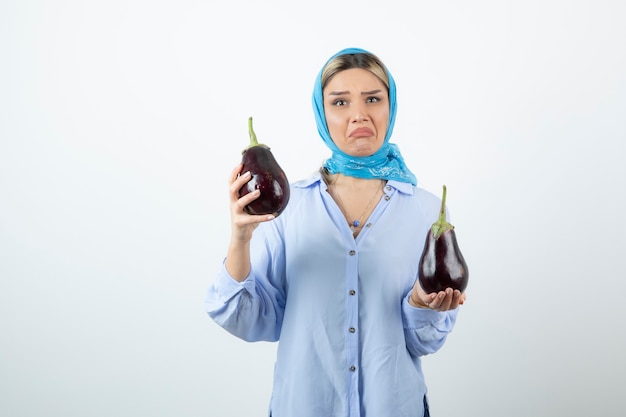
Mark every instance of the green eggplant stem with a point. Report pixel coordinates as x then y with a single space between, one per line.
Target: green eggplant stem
441 225
442 210
253 139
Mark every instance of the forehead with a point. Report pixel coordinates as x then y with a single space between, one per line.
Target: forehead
354 80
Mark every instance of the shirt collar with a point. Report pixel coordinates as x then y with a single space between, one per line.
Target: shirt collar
403 187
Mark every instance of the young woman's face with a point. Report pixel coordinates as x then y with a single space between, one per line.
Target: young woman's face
356 106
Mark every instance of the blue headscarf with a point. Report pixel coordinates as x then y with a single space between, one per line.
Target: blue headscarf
387 163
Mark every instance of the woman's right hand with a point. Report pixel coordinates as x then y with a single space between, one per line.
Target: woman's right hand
242 223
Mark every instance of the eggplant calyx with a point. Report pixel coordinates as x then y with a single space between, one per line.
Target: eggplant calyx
253 140
439 229
441 225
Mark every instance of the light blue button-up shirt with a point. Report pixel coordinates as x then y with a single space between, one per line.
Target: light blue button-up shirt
349 341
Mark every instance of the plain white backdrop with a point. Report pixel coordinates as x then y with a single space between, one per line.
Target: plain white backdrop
120 122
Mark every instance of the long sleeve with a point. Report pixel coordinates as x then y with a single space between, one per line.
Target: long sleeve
252 309
239 309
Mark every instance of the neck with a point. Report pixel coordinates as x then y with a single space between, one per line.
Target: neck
348 183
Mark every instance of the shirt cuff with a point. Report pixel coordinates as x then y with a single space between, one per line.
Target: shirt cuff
227 287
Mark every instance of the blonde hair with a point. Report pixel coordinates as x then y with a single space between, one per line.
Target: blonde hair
363 60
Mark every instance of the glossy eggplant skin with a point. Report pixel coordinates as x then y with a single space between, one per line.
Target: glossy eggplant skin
266 176
442 264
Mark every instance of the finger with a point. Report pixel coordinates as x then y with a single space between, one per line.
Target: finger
243 224
237 184
241 216
263 218
235 173
437 300
426 299
462 297
456 299
240 180
447 300
248 198
250 219
431 298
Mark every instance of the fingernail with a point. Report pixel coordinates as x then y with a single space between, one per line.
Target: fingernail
270 217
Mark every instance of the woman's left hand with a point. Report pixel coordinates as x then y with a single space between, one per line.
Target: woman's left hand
440 301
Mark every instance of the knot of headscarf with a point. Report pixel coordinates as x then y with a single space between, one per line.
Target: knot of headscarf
387 163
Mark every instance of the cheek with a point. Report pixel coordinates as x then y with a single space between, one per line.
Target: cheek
382 125
334 123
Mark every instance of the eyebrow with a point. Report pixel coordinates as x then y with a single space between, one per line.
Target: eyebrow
364 93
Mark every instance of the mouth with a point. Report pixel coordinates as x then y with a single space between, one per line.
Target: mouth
361 132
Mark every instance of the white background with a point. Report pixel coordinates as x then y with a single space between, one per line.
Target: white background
120 122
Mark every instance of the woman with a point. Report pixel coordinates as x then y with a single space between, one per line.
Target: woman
333 278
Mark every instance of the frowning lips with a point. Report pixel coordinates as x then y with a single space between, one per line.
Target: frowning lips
361 132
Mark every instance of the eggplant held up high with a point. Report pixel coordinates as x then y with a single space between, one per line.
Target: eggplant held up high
266 176
442 264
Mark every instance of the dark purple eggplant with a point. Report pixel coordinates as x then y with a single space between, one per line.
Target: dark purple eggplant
266 176
442 264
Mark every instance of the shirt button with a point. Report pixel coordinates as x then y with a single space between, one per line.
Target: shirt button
352 292
352 252
387 198
352 329
352 368
388 188
368 225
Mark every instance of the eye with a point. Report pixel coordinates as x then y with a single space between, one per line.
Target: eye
373 99
339 102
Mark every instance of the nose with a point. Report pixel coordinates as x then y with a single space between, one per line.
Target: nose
360 114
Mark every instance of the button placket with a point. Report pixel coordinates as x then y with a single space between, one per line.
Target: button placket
350 323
